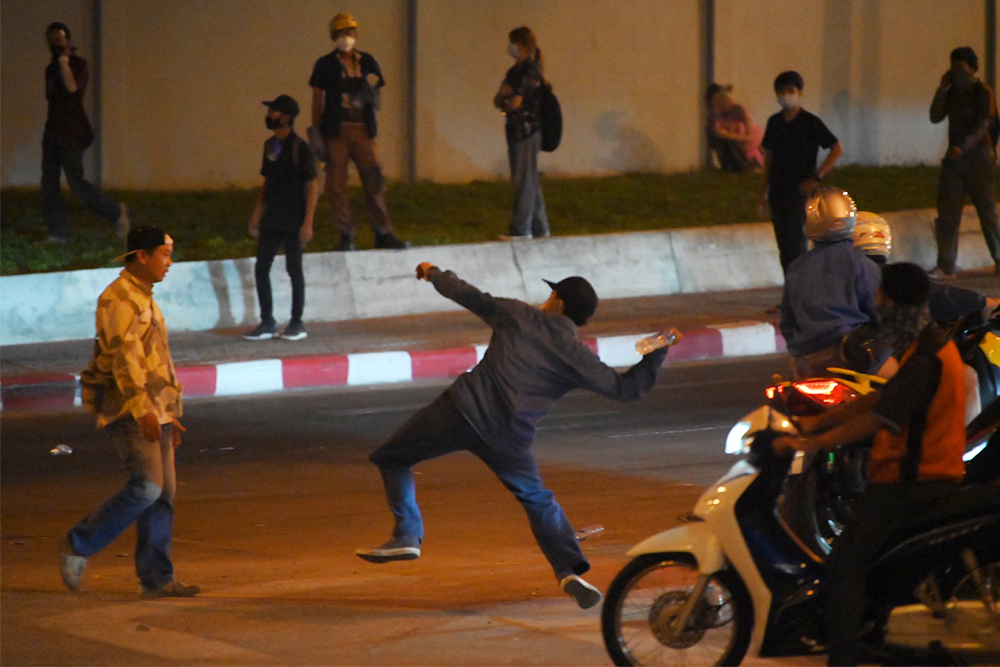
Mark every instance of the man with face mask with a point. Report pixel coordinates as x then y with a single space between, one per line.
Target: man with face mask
967 167
283 216
67 134
346 85
791 145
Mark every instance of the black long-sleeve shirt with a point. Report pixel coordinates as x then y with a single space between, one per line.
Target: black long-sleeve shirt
534 358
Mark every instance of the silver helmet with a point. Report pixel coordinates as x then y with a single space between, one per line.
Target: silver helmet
830 215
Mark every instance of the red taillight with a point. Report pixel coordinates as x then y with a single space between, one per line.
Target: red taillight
770 391
828 392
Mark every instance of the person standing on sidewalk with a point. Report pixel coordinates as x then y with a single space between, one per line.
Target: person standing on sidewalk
346 85
286 204
967 167
67 134
533 359
131 386
791 146
518 98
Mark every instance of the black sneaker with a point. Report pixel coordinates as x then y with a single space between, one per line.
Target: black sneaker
262 332
389 241
586 596
294 331
346 243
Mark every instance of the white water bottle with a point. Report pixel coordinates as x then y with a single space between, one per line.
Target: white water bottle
662 339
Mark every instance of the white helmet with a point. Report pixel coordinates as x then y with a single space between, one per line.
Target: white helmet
830 215
872 234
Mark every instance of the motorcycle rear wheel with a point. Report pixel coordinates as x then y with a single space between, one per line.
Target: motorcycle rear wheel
644 599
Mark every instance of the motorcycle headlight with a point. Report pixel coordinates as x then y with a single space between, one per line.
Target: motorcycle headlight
736 440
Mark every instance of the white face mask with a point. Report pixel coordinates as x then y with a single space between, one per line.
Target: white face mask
789 101
513 50
345 43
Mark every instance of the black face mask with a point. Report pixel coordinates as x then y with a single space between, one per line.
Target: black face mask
273 123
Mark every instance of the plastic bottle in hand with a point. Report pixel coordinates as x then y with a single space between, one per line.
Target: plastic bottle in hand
655 342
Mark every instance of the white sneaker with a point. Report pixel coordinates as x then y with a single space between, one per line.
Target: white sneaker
71 566
585 595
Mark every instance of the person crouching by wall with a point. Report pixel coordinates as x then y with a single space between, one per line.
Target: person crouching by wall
732 134
518 98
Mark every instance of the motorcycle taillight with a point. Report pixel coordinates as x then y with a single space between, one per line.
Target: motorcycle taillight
811 397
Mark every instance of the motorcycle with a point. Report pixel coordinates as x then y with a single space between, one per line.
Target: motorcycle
735 578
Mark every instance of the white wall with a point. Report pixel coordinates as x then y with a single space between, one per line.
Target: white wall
183 80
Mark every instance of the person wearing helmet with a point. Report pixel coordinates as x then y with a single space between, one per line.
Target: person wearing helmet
830 290
346 84
791 144
968 165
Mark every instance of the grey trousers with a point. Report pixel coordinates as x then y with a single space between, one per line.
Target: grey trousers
529 216
973 174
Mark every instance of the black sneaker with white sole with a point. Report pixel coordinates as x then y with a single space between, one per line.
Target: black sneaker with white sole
294 331
262 332
585 595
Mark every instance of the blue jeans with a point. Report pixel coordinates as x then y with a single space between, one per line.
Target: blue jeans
529 216
440 429
147 500
56 160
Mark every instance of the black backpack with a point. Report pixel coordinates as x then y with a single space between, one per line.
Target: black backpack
551 116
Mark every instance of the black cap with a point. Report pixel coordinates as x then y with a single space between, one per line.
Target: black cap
146 238
578 297
284 104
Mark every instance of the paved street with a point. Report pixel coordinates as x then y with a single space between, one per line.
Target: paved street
276 493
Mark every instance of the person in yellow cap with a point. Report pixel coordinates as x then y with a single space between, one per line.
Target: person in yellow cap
346 84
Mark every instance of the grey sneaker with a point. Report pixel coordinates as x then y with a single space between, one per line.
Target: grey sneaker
402 548
123 224
294 331
70 565
585 595
262 332
173 589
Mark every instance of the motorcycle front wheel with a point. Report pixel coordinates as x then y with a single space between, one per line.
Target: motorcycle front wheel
643 604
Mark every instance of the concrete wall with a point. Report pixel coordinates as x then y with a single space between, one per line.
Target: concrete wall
183 80
198 296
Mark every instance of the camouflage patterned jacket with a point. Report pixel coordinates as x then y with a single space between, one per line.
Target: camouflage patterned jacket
132 371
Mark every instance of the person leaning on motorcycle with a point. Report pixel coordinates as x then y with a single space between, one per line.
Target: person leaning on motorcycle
916 459
829 291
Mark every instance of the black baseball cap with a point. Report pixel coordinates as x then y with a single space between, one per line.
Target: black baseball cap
284 104
146 238
578 297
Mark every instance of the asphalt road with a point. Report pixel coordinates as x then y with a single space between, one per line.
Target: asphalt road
276 493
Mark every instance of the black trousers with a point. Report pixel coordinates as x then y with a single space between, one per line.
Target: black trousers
973 174
267 247
788 215
882 510
55 161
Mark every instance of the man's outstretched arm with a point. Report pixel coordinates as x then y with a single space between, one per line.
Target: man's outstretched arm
451 286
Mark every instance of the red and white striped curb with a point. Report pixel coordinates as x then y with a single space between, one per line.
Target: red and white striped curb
61 390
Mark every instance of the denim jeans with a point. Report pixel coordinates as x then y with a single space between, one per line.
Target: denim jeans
147 500
439 429
529 216
70 161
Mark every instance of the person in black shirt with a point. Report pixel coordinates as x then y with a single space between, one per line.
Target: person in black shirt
283 215
791 145
346 85
970 107
67 134
534 358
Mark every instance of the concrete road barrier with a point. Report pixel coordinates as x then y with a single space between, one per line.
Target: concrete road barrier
199 296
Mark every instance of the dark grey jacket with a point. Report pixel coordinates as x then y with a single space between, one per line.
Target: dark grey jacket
534 358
